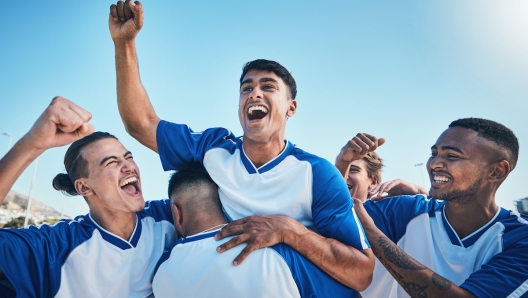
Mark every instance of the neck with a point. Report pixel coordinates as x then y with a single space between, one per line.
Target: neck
262 152
202 223
470 214
119 223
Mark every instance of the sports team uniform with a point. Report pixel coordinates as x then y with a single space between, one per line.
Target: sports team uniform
78 258
295 183
193 268
491 262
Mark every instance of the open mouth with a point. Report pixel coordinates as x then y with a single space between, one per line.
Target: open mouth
257 112
130 186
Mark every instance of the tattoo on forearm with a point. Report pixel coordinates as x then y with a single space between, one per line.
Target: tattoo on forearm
441 283
396 256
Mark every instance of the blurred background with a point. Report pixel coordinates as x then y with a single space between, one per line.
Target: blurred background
400 70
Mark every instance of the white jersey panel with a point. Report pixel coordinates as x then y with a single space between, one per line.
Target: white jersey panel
116 272
427 241
209 274
286 189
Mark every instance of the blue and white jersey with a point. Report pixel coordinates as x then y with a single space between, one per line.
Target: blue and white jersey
295 183
193 268
491 262
78 258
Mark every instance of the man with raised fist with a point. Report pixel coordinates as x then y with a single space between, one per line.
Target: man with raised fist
259 173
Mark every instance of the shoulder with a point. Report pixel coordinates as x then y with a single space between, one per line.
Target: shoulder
416 204
320 166
157 209
515 229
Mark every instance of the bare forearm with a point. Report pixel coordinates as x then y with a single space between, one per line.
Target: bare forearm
345 264
342 166
416 279
135 108
14 163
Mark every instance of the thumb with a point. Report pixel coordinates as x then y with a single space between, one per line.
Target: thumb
84 130
381 141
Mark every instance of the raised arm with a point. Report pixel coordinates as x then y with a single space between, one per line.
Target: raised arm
137 113
416 279
356 149
62 123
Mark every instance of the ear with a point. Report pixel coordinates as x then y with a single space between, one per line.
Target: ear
499 171
373 183
83 188
292 108
177 217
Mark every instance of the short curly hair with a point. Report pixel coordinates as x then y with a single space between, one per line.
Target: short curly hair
493 132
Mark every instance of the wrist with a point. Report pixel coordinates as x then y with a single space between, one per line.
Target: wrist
28 147
294 231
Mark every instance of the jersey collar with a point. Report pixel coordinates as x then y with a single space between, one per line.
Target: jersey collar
473 237
116 240
267 166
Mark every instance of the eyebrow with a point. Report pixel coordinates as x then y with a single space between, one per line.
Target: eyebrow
263 80
113 157
449 148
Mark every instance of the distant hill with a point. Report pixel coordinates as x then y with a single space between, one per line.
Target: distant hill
18 202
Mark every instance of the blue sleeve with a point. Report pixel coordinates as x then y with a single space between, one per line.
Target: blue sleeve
179 145
310 280
158 209
506 274
332 211
391 215
31 258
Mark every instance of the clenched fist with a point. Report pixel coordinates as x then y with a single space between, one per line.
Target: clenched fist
62 123
126 19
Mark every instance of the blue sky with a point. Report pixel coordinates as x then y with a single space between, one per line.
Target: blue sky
400 70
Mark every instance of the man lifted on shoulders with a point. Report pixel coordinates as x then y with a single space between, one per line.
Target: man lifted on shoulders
260 173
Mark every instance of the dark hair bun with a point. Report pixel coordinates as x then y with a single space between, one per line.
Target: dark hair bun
63 183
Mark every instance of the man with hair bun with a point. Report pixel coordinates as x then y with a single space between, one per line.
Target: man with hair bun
457 242
110 252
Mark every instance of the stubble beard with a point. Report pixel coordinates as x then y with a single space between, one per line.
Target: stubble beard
461 196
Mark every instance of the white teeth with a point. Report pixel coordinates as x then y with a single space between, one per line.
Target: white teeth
128 181
257 108
441 179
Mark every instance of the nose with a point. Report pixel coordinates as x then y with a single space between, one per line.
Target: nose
255 93
128 166
435 163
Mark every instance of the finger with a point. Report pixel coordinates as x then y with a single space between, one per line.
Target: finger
375 189
229 231
237 240
244 253
235 227
353 146
82 113
121 10
127 10
113 12
86 129
364 147
371 141
381 141
63 117
137 10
